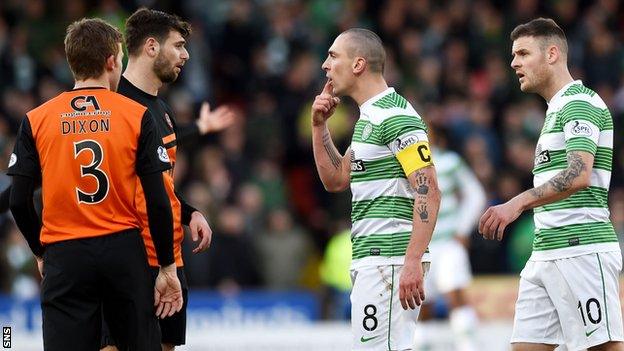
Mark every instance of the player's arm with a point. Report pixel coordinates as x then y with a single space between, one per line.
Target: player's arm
209 121
152 160
197 223
333 168
25 169
581 145
417 163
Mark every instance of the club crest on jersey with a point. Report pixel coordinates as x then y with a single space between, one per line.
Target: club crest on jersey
581 129
168 120
367 131
12 160
162 154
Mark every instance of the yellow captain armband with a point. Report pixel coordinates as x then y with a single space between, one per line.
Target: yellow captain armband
414 157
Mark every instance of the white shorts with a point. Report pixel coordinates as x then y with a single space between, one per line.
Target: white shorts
378 322
572 301
450 269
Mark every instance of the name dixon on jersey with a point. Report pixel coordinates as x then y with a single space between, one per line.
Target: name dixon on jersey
84 126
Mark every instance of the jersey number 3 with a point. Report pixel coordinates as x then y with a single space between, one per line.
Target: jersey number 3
92 170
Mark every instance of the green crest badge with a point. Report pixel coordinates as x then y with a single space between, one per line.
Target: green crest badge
367 131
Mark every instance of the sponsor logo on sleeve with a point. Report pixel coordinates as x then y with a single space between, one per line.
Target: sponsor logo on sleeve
402 144
162 154
581 129
12 160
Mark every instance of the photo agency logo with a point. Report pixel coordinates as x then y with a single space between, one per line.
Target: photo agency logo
6 337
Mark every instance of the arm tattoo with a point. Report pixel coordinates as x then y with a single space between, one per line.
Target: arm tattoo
423 213
422 183
334 157
563 181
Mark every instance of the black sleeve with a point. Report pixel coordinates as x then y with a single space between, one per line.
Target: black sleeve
187 134
187 210
25 159
159 216
23 209
151 154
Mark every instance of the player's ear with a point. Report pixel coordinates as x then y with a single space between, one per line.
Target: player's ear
359 65
111 61
552 54
151 47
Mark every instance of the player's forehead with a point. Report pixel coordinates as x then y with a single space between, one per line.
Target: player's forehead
339 45
175 37
528 43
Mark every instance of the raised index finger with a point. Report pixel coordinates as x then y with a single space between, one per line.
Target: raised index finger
328 88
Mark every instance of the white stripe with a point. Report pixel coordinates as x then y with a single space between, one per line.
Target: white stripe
383 187
556 141
377 115
599 178
369 152
560 218
368 226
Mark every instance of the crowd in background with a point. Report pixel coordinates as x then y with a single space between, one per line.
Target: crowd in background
257 181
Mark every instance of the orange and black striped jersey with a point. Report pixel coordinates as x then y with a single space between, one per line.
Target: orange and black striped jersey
88 146
165 124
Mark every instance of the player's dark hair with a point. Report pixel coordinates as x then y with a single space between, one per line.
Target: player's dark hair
366 44
89 42
145 23
542 28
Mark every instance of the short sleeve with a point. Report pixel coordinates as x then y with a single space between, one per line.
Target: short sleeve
24 160
582 123
399 132
152 156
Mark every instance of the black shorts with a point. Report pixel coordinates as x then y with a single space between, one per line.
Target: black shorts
85 279
173 329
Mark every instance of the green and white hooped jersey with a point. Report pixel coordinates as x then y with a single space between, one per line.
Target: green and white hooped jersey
576 120
382 198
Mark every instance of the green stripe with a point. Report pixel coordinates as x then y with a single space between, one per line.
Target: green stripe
390 309
383 168
591 197
581 144
604 295
387 245
374 138
574 234
602 160
583 110
575 89
391 100
395 126
383 207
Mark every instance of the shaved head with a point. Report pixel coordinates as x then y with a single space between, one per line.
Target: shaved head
366 44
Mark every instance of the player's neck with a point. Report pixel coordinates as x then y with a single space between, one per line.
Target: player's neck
557 81
142 76
101 82
367 88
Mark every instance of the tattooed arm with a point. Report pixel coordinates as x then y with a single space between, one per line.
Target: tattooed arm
565 183
334 169
426 204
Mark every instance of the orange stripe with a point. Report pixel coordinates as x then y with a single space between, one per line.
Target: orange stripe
169 138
